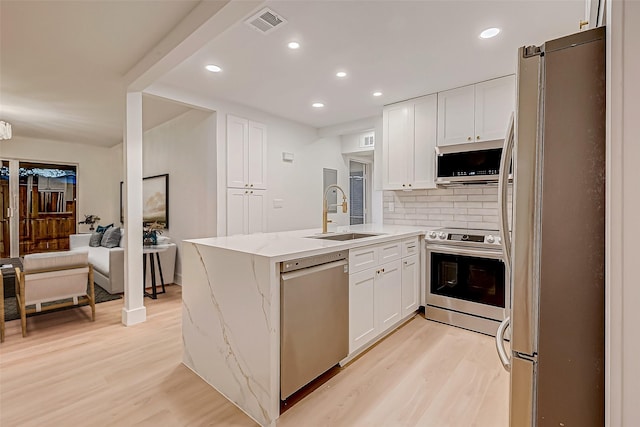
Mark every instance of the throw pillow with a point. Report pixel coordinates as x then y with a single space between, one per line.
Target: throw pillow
102 229
111 238
96 239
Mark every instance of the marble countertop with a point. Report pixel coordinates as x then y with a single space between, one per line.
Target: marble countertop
284 245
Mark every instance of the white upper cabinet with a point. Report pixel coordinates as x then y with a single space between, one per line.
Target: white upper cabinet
246 153
456 116
475 113
495 101
408 142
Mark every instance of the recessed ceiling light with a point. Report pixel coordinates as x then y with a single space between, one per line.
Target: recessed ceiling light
293 45
341 74
489 32
317 105
213 68
377 93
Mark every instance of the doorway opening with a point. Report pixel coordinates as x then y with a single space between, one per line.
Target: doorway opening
359 192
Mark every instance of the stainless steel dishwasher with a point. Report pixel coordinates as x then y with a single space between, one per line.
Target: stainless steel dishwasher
314 318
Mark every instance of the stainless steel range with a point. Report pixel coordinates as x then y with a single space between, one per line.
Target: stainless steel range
466 279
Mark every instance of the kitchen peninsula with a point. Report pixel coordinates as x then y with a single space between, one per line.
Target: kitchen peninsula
231 307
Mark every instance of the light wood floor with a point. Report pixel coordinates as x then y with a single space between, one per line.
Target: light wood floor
72 372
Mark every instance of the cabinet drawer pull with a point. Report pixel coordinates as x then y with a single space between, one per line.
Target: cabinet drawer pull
468 138
411 247
478 137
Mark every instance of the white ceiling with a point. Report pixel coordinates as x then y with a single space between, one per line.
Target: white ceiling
62 62
402 48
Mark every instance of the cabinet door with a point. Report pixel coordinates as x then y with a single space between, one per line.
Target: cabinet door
410 282
237 140
397 137
388 292
456 116
256 211
257 156
424 153
495 101
362 319
236 212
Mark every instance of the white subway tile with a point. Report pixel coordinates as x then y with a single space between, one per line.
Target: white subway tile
454 211
483 198
467 205
490 205
483 225
441 204
404 222
482 212
458 198
440 217
490 190
467 190
475 218
440 192
455 224
434 198
490 219
406 199
430 210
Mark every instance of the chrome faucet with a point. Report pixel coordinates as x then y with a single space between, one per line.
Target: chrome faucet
325 206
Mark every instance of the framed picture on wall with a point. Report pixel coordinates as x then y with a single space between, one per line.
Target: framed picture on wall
155 199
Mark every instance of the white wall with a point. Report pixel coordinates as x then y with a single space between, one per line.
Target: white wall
297 184
99 171
184 147
623 213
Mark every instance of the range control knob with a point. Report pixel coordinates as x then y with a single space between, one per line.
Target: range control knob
442 235
490 239
433 234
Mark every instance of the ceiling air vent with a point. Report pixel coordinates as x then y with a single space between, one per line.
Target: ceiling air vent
265 21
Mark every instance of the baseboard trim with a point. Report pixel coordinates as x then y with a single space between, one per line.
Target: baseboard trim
135 316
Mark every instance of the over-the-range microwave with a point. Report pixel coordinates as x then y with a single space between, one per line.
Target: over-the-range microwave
475 162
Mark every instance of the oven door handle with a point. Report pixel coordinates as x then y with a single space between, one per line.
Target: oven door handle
478 253
502 353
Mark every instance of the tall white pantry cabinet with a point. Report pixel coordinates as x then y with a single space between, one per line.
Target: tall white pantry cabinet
246 176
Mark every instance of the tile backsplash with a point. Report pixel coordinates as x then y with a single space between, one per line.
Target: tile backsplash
474 207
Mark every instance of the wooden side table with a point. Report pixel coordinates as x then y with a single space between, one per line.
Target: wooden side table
150 251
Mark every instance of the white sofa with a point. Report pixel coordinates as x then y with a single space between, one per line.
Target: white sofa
108 264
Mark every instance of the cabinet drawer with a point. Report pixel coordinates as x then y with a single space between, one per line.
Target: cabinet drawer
390 251
410 246
362 258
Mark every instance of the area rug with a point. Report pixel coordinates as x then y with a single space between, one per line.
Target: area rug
11 309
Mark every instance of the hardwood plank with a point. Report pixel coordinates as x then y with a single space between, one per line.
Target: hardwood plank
69 370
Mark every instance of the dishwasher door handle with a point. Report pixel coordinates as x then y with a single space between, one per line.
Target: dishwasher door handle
310 270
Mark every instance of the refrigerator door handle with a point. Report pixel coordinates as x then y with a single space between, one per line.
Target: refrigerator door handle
503 185
502 353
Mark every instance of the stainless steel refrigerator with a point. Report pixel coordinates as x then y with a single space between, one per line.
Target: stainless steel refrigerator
555 254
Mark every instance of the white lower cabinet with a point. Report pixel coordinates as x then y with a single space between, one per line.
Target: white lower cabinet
377 299
388 295
410 284
362 318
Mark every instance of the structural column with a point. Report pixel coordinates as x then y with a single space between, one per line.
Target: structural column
134 310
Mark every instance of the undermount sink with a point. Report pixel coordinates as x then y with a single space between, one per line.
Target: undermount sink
344 236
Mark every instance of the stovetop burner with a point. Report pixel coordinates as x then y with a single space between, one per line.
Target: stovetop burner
480 238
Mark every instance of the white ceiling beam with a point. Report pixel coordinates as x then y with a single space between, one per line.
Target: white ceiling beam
205 22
